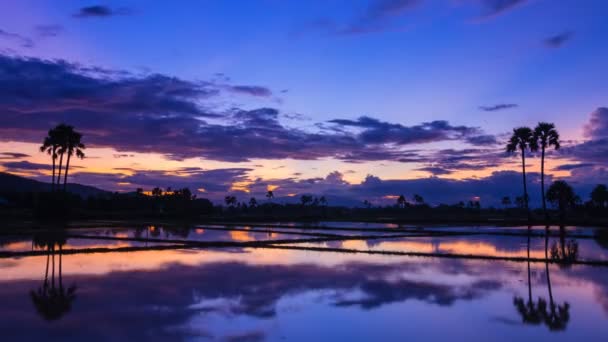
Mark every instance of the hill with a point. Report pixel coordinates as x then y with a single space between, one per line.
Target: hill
14 183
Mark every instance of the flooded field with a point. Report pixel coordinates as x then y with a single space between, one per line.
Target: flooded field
288 281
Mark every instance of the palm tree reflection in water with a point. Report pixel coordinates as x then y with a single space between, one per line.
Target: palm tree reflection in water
555 317
52 300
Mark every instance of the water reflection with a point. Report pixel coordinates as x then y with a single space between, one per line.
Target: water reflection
52 300
273 294
555 317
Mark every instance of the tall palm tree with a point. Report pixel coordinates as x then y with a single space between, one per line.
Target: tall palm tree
521 140
50 147
545 136
73 146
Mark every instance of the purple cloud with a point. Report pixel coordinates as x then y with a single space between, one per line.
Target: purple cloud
251 90
558 40
498 107
496 7
99 11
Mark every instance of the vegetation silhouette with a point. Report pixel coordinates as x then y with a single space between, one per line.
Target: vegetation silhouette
554 316
52 300
522 140
562 196
545 136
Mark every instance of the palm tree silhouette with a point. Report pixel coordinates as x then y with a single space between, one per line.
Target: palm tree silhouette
599 195
270 195
545 135
51 146
558 315
52 300
401 201
521 140
73 146
529 311
562 195
253 202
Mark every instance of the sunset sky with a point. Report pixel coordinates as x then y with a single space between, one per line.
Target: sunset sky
357 99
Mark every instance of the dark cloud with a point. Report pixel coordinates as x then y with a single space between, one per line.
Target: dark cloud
99 11
13 155
375 131
18 39
493 8
379 16
434 170
570 167
498 107
597 127
251 90
594 150
215 182
558 40
49 30
26 166
171 116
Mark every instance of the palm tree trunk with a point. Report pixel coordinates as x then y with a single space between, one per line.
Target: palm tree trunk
60 270
65 172
542 182
46 272
54 157
551 305
523 165
529 273
59 171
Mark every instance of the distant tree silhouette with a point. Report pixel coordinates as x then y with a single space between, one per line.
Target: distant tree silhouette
253 202
270 195
418 199
561 195
157 192
323 201
401 201
520 141
367 204
506 201
305 199
545 136
599 196
230 201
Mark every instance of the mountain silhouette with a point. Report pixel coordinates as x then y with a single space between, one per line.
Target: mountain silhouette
14 183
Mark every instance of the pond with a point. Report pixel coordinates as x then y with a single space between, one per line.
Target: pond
272 283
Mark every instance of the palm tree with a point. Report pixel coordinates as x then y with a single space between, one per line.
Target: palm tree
73 146
230 201
599 195
401 201
562 195
521 140
545 135
323 200
253 202
305 199
529 311
506 201
51 145
270 195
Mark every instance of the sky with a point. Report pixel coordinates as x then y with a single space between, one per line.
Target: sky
355 100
